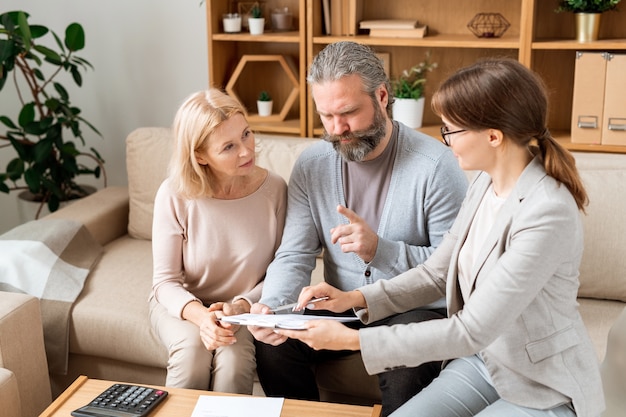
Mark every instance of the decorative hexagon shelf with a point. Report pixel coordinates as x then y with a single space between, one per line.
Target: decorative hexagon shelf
284 65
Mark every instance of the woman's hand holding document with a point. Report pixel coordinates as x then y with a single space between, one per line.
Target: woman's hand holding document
317 331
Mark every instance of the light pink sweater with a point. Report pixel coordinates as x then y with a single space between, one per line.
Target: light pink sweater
215 250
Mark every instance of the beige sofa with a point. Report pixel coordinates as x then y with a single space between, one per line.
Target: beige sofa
110 335
24 383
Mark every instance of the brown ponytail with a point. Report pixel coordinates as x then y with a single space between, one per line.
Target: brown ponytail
561 165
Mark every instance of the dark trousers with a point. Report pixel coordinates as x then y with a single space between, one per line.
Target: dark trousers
288 371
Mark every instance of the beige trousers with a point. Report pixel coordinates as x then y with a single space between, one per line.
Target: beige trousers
191 365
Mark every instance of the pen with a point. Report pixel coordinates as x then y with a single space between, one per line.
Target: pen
293 305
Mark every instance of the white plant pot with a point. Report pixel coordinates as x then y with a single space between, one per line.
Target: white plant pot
232 23
264 108
409 111
28 207
256 24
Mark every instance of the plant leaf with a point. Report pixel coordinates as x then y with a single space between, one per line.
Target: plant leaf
7 122
62 91
42 150
7 49
50 55
37 31
15 169
27 115
76 75
24 29
74 37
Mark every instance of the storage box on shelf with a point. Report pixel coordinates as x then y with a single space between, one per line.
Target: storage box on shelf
226 50
553 49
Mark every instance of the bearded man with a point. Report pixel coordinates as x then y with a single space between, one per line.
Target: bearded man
376 197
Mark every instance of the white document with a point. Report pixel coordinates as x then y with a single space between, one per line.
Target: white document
237 406
280 321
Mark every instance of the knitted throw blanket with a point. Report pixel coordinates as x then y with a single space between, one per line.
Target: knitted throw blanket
50 259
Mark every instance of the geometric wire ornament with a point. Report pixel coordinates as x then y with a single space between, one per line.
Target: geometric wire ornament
488 25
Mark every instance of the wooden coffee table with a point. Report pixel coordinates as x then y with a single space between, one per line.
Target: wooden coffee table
181 402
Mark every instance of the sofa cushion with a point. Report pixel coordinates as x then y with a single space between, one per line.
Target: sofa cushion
148 150
278 154
603 268
110 318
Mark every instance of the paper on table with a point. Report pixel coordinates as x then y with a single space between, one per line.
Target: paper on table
237 406
280 321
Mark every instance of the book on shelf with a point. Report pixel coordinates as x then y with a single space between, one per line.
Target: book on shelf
355 13
326 15
345 16
389 24
418 32
335 17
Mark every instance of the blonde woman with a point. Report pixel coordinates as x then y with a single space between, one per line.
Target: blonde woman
218 219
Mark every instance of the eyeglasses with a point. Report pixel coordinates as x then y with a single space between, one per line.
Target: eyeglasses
445 132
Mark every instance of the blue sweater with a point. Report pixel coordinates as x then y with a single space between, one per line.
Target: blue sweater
425 193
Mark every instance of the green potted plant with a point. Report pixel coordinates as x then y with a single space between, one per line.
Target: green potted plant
587 6
40 135
587 13
408 92
256 21
264 104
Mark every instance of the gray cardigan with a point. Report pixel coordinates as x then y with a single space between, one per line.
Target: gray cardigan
425 193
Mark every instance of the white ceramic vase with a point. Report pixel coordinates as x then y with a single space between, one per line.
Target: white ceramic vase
232 23
264 108
409 111
256 24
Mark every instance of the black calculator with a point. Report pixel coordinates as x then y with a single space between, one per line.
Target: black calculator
123 400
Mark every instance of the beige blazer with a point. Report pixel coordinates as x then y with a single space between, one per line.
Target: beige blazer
522 313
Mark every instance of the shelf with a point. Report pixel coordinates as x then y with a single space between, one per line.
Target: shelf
280 37
291 127
436 41
570 44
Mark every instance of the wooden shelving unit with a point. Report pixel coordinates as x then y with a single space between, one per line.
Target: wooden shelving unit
227 50
538 37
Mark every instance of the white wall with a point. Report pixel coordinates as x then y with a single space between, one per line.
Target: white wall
148 55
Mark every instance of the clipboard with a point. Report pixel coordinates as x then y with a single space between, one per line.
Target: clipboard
281 321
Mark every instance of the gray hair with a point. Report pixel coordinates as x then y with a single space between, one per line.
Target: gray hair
340 59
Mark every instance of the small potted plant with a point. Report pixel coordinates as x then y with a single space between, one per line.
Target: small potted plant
408 92
45 159
256 21
587 13
264 104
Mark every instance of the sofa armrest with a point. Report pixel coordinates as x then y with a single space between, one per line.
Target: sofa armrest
22 350
614 369
103 213
9 394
